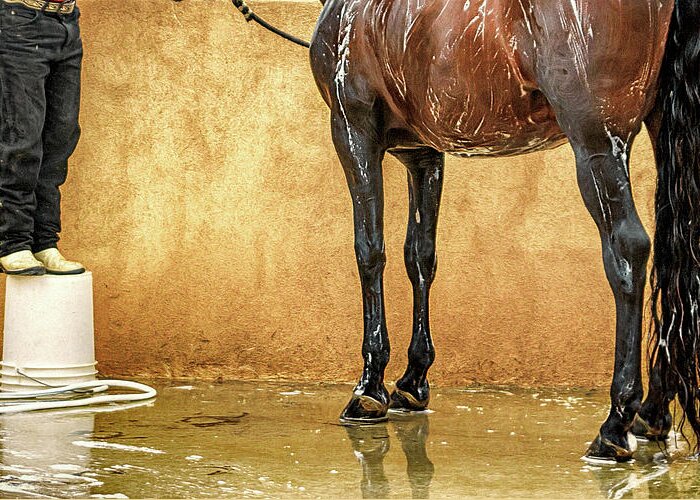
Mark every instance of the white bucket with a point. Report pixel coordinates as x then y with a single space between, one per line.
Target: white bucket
49 332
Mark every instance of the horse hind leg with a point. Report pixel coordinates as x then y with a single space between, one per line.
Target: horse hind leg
425 173
603 177
654 420
602 152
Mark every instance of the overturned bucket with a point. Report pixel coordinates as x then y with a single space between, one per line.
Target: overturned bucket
49 332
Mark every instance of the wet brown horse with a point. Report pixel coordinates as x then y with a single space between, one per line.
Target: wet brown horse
421 78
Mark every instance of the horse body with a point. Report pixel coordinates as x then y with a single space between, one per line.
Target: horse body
421 78
464 77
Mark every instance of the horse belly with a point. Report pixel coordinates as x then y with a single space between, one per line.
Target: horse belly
474 130
451 72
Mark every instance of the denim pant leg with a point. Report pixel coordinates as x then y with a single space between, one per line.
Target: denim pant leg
23 70
61 133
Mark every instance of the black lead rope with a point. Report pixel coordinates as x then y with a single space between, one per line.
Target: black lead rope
252 16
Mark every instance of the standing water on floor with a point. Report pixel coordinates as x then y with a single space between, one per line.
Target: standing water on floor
274 440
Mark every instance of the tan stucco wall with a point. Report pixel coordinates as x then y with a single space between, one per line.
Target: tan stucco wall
207 199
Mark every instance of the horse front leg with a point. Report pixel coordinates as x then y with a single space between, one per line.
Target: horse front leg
604 182
361 157
425 173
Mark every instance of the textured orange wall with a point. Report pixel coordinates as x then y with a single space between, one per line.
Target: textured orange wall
207 199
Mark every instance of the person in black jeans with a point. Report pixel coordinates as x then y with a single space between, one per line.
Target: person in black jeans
40 61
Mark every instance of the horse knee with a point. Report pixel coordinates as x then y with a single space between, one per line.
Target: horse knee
421 260
371 257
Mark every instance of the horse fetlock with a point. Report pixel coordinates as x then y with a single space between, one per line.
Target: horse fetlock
411 393
420 359
619 422
615 441
652 423
415 379
376 360
373 389
626 402
366 407
406 401
619 448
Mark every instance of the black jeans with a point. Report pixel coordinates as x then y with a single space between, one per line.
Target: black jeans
40 62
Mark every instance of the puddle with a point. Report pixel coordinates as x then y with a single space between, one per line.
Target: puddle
273 440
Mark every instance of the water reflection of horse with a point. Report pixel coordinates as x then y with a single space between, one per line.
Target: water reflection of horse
421 78
371 444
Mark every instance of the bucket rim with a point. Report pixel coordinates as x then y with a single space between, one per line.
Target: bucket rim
4 364
65 375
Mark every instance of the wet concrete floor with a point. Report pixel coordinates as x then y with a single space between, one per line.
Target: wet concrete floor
281 439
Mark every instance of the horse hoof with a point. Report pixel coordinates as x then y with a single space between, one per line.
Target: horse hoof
364 410
642 428
405 401
602 449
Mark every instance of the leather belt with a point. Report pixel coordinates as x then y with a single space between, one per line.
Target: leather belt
58 7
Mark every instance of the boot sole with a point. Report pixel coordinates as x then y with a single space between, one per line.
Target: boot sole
65 273
30 271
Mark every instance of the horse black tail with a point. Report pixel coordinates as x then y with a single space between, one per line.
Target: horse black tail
675 279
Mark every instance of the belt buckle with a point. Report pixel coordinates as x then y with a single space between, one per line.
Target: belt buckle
56 6
61 7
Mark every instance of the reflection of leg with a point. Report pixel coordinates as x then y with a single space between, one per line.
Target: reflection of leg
634 481
412 431
60 137
425 173
664 486
371 444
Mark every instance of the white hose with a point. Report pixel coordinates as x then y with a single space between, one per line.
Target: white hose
145 392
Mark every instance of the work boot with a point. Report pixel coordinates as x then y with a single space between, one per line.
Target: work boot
56 263
22 263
